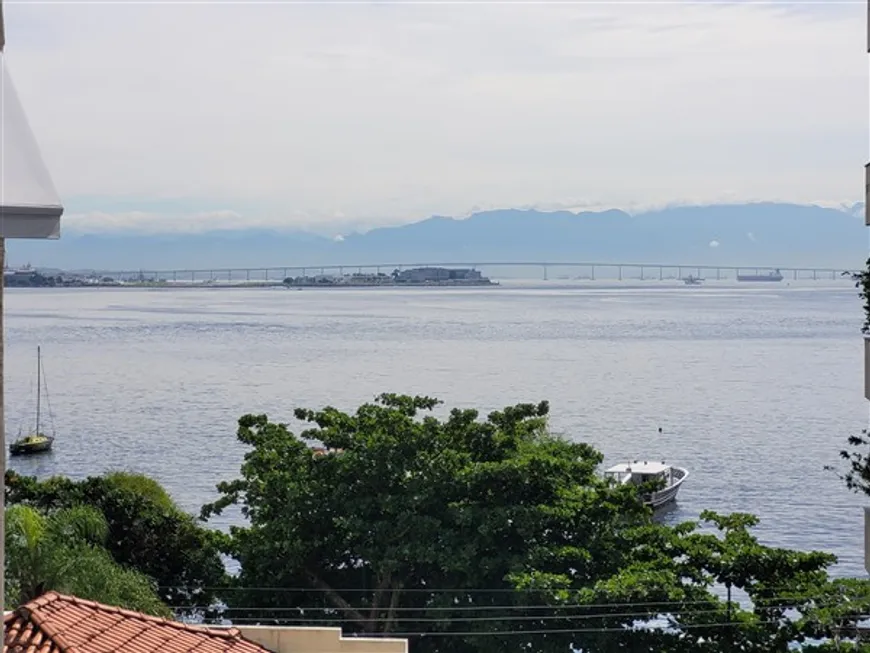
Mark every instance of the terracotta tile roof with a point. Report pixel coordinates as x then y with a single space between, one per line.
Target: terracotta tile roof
55 623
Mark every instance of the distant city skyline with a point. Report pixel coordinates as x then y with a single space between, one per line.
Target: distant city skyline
340 117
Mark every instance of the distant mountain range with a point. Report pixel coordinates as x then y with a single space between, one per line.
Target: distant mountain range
762 234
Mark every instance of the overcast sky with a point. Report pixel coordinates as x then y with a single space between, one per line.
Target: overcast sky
328 116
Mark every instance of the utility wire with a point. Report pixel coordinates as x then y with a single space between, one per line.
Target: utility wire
556 631
423 590
784 604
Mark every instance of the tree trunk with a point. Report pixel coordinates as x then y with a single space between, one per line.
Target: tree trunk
337 600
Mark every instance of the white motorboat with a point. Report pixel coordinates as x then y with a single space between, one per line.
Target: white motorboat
644 471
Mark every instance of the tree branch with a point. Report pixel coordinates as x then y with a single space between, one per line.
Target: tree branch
336 599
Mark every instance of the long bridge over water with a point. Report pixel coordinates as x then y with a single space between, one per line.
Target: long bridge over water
531 269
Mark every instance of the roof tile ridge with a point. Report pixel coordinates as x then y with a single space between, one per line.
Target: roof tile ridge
31 611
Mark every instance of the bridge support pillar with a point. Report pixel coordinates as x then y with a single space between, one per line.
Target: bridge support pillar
620 272
593 273
545 273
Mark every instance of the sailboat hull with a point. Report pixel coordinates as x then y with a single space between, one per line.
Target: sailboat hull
29 448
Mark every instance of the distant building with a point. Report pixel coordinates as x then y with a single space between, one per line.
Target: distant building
27 277
424 275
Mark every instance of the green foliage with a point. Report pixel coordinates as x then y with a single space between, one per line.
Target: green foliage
492 535
147 532
63 551
862 283
143 486
857 475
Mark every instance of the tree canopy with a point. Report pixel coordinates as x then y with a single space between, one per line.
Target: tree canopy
490 535
63 550
147 532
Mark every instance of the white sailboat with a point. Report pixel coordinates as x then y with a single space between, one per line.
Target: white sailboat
36 441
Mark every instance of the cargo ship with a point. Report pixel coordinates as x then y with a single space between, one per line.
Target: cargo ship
776 275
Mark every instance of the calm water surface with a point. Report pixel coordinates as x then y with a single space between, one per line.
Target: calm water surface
755 388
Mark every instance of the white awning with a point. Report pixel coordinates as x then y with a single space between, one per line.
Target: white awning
29 204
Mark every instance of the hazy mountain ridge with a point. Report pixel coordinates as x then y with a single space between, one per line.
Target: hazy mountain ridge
740 234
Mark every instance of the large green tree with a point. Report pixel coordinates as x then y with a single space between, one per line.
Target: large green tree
147 532
64 551
492 535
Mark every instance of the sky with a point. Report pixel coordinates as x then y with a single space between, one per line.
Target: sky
329 117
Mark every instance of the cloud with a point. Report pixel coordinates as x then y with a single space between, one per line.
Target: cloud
750 236
364 114
155 223
714 244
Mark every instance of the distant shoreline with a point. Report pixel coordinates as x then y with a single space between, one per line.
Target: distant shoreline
188 285
436 277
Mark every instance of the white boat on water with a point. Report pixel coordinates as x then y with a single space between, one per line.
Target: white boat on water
644 471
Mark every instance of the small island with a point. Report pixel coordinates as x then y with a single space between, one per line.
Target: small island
410 277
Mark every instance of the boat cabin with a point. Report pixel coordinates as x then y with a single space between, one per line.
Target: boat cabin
639 472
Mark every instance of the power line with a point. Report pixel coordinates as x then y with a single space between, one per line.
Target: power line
423 590
623 615
639 616
464 608
776 603
557 631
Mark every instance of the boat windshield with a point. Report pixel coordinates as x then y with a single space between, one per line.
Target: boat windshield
634 478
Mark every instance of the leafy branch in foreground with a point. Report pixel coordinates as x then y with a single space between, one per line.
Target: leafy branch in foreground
857 475
862 283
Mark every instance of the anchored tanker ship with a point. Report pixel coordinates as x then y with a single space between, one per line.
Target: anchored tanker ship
776 275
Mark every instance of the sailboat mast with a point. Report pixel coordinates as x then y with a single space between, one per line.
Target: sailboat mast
38 384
